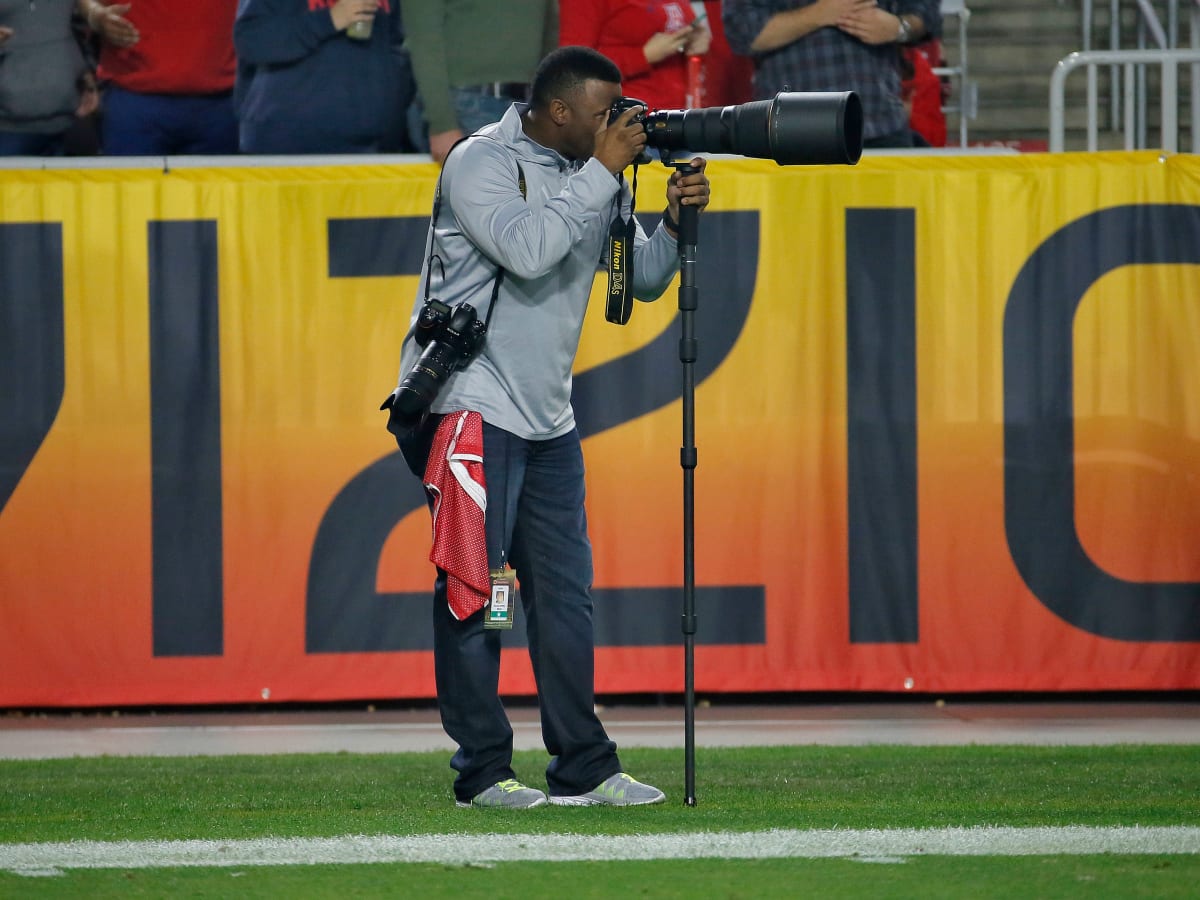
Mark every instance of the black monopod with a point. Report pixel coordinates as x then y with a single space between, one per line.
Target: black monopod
791 129
689 234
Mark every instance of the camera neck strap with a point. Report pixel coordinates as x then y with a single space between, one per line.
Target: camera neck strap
619 303
430 255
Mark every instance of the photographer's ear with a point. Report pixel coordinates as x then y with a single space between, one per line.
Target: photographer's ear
559 112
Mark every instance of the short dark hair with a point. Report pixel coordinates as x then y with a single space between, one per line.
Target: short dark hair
563 71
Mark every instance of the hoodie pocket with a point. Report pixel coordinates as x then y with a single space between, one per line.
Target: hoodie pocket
40 82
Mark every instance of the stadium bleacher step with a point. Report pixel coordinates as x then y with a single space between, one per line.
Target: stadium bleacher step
1013 47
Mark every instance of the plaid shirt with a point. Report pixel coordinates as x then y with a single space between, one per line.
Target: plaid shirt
828 59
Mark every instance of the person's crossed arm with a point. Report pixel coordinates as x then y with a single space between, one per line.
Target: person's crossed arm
109 22
873 24
783 28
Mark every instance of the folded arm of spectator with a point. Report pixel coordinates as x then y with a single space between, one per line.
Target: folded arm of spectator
755 26
875 25
109 22
276 31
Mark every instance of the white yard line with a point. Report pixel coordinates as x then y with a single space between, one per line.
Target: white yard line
869 845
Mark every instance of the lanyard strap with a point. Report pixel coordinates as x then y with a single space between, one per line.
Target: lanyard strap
430 256
619 303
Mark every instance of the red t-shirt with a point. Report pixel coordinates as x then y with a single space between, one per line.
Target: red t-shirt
619 29
728 78
186 47
923 91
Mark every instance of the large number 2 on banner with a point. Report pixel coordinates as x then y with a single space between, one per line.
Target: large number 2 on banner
31 344
185 409
345 613
341 612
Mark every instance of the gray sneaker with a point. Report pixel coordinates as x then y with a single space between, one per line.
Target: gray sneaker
507 794
619 790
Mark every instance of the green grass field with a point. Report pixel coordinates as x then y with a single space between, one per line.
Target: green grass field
739 790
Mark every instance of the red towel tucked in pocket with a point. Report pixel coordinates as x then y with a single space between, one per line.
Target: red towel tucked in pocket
454 478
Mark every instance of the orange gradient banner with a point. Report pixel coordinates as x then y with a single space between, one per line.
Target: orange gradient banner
948 420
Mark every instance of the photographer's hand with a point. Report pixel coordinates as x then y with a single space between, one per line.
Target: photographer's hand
688 190
618 144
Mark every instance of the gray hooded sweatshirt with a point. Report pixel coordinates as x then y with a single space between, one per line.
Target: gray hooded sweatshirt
549 244
40 67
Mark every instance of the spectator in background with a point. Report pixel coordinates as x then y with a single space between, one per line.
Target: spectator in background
306 85
834 45
83 137
727 76
921 91
168 68
649 40
473 58
44 81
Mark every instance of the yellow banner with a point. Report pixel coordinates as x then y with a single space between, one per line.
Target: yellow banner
946 418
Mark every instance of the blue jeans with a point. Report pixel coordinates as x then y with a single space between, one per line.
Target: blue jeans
17 143
535 520
474 110
167 124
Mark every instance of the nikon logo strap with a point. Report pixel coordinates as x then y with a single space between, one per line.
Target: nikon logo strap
619 303
620 271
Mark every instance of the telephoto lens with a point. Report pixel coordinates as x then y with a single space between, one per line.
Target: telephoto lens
792 128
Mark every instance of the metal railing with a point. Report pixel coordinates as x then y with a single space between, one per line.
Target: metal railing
1170 60
1128 101
966 101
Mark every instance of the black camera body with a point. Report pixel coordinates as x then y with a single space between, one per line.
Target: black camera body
619 106
450 336
792 128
